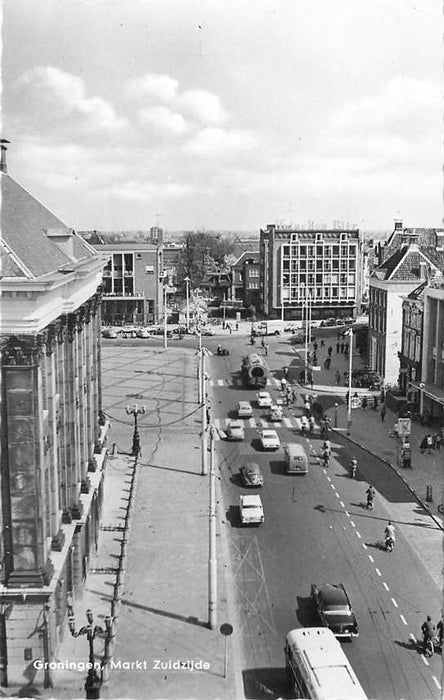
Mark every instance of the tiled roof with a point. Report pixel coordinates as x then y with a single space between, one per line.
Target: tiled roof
24 224
418 292
404 265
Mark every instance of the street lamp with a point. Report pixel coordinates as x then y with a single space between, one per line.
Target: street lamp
187 280
135 410
336 415
91 631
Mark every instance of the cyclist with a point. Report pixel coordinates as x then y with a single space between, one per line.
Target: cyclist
428 630
327 446
325 457
439 629
389 535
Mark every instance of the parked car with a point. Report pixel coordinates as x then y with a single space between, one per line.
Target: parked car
244 409
251 474
207 331
142 333
269 440
328 322
235 431
109 333
159 330
251 510
264 399
297 340
334 609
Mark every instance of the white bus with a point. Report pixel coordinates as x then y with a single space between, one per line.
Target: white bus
318 668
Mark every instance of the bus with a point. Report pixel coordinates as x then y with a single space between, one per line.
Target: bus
318 668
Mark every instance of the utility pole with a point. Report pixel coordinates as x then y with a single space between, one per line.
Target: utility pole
212 554
204 415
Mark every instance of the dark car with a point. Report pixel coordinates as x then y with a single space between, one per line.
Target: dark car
297 340
251 474
334 609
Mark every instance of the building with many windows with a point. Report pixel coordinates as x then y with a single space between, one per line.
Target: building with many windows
245 279
431 387
132 288
319 268
52 431
410 356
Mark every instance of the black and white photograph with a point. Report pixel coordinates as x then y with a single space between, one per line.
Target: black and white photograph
221 350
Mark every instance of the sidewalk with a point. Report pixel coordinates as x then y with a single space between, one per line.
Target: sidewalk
163 616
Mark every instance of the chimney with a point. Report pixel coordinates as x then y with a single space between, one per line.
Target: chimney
3 167
398 224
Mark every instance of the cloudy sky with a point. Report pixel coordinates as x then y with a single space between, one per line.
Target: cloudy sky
226 114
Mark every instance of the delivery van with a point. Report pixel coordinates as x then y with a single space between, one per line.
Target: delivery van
296 460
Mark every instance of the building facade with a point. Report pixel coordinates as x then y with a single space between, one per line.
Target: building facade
245 279
431 387
132 283
52 429
410 356
319 268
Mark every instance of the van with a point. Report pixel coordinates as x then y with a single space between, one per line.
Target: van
296 460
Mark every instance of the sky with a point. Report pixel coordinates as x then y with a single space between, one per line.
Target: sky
227 115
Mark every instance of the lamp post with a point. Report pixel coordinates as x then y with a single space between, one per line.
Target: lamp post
91 631
336 415
187 280
212 550
134 410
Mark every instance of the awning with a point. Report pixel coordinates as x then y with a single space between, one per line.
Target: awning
429 390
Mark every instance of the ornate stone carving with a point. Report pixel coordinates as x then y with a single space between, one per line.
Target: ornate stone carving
19 350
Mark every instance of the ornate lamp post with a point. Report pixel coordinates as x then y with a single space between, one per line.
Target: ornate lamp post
134 410
93 680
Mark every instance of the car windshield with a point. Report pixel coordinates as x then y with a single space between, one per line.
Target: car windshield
337 609
268 434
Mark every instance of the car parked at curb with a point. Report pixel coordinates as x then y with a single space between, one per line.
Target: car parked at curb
142 333
334 609
109 333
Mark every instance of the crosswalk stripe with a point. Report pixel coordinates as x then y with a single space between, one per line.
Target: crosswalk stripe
288 422
220 382
252 422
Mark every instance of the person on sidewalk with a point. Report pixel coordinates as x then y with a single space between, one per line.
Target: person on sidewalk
322 343
423 445
338 377
337 347
438 440
429 443
329 350
383 413
266 349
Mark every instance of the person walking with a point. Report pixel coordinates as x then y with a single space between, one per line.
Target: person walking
338 377
315 346
322 343
342 347
383 413
266 349
338 345
429 443
329 351
438 440
310 379
263 342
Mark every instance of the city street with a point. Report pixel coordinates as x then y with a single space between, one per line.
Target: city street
317 530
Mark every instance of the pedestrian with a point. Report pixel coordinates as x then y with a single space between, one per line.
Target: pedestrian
345 348
429 443
322 343
266 349
229 328
364 403
237 326
329 351
311 424
438 440
338 377
375 403
307 407
315 359
337 347
342 347
347 396
294 396
285 371
327 363
310 379
308 357
383 412
223 325
263 342
315 346
283 383
423 445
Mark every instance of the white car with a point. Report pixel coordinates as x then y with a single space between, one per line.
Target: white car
235 431
251 510
276 413
142 333
244 409
269 440
264 399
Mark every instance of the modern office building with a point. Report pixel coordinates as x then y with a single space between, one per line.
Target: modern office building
319 268
52 428
132 283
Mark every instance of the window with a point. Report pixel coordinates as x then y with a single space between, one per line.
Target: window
303 250
335 264
310 251
253 285
319 250
286 250
149 269
335 251
352 264
344 251
150 306
327 264
253 273
334 292
319 264
343 264
327 251
311 265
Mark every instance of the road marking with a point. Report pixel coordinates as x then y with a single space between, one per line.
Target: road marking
378 572
413 638
437 683
403 619
425 660
371 558
342 504
337 495
358 534
385 586
394 603
364 545
352 523
288 422
333 487
220 382
328 478
347 513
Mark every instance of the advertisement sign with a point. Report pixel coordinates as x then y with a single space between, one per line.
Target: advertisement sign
404 426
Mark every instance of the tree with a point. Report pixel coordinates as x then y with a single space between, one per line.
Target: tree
203 252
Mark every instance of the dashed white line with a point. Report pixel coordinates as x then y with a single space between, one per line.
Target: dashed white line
413 638
385 586
436 682
333 487
328 478
425 660
371 558
352 523
378 572
364 545
347 513
358 534
403 620
341 503
394 603
337 495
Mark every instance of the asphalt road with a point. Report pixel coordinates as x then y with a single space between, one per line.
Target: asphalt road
316 530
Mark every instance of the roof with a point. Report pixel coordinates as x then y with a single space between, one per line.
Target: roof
26 249
418 292
404 265
246 256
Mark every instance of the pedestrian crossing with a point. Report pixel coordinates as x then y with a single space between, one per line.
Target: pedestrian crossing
221 424
238 382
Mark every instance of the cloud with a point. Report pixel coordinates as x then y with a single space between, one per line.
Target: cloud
213 141
66 96
163 120
152 85
205 106
138 190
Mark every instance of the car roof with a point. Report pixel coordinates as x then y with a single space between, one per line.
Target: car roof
244 403
269 433
251 467
251 500
333 594
236 424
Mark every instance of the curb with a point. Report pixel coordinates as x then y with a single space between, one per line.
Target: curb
393 468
